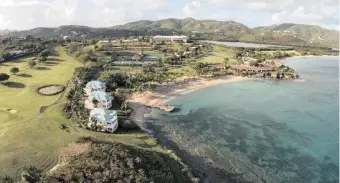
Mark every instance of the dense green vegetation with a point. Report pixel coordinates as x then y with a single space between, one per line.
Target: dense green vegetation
103 161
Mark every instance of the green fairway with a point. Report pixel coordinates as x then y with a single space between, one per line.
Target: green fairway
19 94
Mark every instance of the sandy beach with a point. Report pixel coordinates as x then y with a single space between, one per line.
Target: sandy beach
160 95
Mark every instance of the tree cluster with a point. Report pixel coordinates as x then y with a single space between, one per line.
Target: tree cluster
108 162
75 108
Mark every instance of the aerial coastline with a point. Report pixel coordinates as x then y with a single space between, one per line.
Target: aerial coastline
113 84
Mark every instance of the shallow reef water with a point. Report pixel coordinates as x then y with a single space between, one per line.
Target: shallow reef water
261 131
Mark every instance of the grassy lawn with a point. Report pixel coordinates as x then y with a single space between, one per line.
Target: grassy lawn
20 91
182 70
30 139
212 59
218 56
38 141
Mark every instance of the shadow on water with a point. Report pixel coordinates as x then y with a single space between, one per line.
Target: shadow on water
25 75
12 84
42 68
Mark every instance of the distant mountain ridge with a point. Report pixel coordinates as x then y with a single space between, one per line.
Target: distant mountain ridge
287 33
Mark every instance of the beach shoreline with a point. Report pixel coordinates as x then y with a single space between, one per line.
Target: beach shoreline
199 163
141 102
161 95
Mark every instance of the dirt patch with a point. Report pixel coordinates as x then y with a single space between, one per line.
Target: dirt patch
50 90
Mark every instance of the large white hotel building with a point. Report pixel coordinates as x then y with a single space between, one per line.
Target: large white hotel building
172 39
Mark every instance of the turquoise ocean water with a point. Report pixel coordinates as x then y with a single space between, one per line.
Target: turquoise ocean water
263 131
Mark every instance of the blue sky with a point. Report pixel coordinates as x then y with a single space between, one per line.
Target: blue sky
25 14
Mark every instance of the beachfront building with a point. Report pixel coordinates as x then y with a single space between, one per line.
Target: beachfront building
94 86
171 39
103 120
99 99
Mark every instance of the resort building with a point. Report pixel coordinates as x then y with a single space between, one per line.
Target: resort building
94 86
103 120
172 39
99 99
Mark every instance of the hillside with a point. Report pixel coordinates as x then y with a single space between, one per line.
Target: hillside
286 34
311 34
93 160
189 25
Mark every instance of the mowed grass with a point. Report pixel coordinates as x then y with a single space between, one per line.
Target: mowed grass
219 54
19 92
30 139
37 142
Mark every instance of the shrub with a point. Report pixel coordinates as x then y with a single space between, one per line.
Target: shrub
32 63
6 179
3 77
115 162
44 53
14 70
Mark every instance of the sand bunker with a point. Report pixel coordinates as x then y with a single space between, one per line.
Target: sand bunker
50 90
11 111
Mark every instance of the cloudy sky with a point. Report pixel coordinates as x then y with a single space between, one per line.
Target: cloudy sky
26 14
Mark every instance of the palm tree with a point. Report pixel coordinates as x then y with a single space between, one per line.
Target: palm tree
226 63
117 92
94 124
129 81
95 103
14 70
125 105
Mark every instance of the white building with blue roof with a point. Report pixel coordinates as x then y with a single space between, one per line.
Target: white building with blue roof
103 120
94 86
99 99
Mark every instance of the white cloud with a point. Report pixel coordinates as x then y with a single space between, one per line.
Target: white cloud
191 8
18 14
321 12
3 22
25 14
14 3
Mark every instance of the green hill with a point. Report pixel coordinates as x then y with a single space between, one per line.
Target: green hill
285 34
309 34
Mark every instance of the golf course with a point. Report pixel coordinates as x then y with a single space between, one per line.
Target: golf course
29 136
